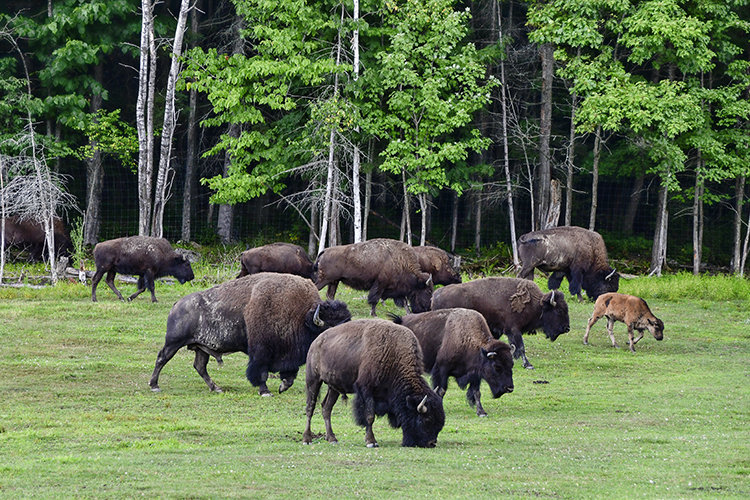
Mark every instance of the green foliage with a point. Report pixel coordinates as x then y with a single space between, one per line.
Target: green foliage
423 93
110 135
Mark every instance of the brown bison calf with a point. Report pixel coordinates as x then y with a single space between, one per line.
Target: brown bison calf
633 311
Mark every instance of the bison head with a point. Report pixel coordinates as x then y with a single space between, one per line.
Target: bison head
420 297
604 281
327 314
656 327
497 367
180 268
421 421
555 319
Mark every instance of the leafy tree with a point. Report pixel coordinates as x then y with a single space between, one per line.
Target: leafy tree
431 83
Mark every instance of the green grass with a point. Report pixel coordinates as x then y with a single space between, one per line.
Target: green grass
77 418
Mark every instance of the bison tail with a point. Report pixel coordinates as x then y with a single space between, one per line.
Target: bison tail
395 318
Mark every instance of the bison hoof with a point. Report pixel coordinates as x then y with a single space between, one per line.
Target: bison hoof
372 445
483 414
529 366
217 390
155 389
266 394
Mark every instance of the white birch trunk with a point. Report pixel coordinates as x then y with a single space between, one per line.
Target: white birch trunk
595 180
356 201
170 121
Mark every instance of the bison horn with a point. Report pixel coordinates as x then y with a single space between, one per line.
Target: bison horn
316 318
609 276
429 281
489 354
422 406
512 349
552 299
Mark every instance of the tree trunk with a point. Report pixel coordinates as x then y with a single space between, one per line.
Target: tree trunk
570 162
553 213
356 202
163 182
478 221
635 200
368 198
739 195
225 223
454 221
545 131
94 175
659 248
423 208
506 155
191 160
312 240
698 217
595 180
144 121
407 210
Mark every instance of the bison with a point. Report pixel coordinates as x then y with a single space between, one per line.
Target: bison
457 343
381 363
511 306
389 269
276 258
271 317
28 235
145 256
436 262
633 311
569 252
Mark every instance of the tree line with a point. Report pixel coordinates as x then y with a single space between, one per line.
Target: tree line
526 105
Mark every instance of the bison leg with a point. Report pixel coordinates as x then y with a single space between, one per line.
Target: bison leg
555 280
376 293
473 396
526 272
328 401
200 364
594 318
575 281
95 282
639 337
313 389
110 281
166 353
611 332
287 379
145 281
516 339
331 291
630 338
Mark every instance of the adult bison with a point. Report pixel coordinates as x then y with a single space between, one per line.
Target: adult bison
436 262
144 256
457 343
271 317
569 252
381 363
511 306
28 235
276 258
631 310
389 269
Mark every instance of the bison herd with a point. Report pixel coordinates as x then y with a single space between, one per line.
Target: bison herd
274 314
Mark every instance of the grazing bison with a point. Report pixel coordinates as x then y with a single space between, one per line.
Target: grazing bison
28 235
389 269
381 363
147 257
457 343
633 311
271 317
511 306
436 262
276 258
569 252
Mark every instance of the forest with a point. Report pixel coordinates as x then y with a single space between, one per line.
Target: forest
456 124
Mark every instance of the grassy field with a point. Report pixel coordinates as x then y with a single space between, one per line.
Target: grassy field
77 418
